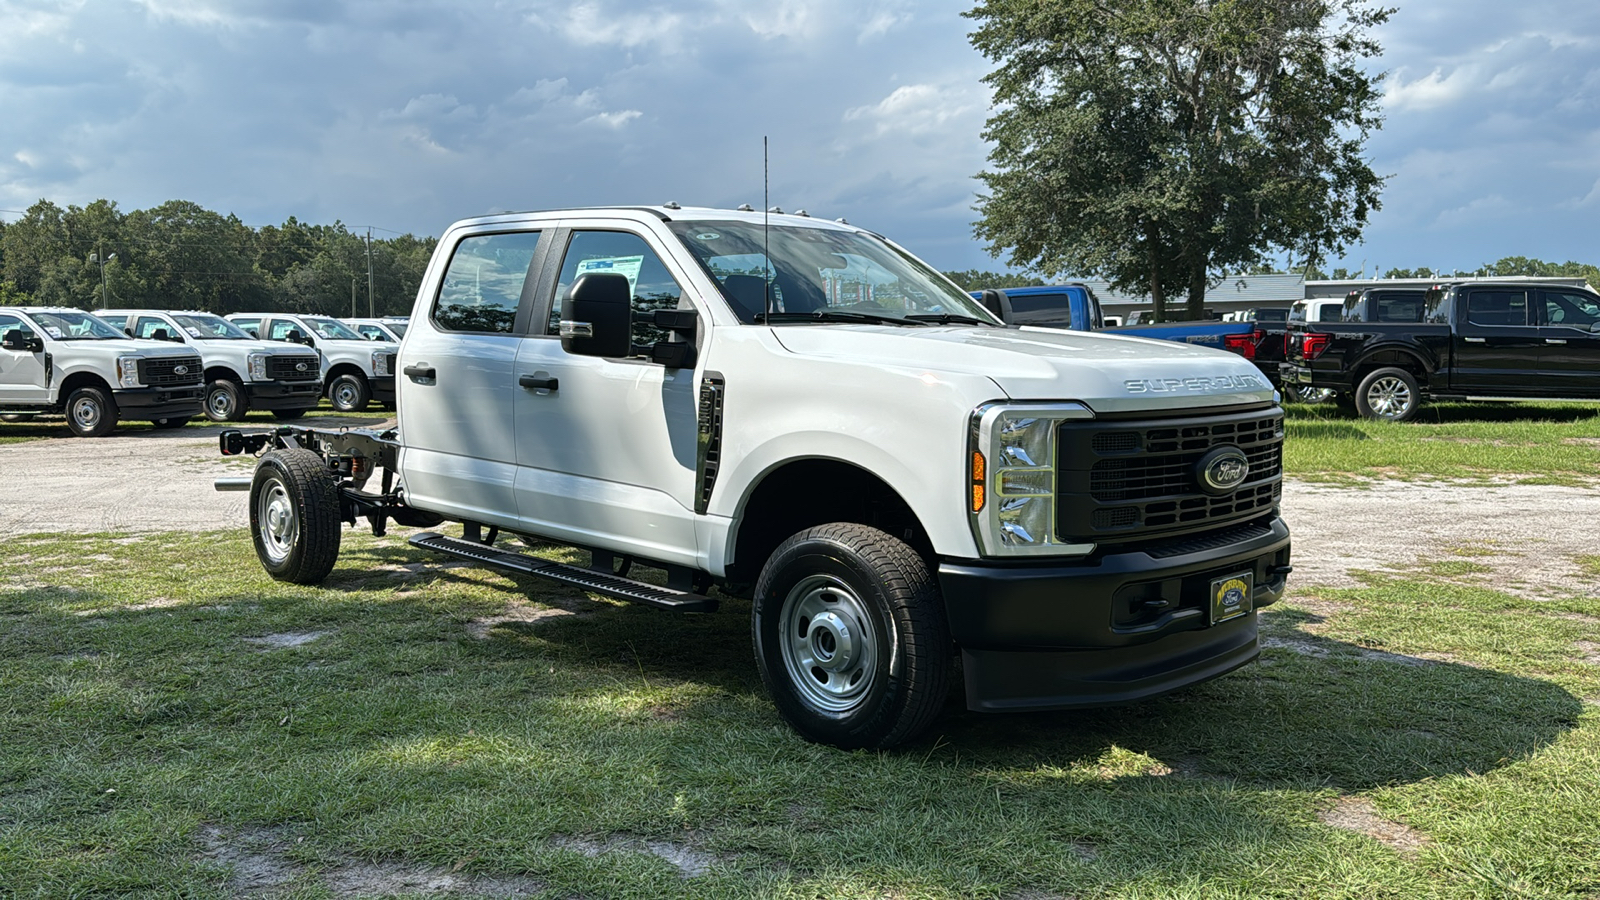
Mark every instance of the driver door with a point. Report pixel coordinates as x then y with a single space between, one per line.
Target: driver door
23 375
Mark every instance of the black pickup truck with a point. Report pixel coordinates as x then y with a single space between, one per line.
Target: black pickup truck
1477 340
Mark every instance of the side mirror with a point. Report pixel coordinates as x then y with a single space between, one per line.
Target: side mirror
295 336
597 318
17 339
998 303
128 332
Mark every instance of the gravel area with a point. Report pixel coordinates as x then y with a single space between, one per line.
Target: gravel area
1521 538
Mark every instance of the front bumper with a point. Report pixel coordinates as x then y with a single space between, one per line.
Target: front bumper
383 389
1122 627
158 403
270 395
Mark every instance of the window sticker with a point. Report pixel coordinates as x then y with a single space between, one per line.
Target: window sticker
193 331
53 331
627 266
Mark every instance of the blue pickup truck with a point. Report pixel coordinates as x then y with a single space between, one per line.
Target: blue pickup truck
1075 307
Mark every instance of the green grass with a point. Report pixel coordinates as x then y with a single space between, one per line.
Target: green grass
139 717
1553 443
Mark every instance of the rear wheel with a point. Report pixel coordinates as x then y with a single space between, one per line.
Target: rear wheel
294 516
1389 394
1305 393
349 393
225 401
91 412
851 638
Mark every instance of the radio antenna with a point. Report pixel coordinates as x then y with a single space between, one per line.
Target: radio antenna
766 243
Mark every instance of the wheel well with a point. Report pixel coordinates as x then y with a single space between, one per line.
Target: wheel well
812 492
1384 359
81 379
222 372
343 369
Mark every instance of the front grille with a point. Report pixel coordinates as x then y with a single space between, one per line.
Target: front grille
1121 481
163 372
287 368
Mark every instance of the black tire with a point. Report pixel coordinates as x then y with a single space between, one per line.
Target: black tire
829 686
225 401
294 516
1305 393
1389 395
91 412
171 422
285 414
349 392
16 417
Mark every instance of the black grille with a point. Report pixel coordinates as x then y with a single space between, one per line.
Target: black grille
1126 481
164 372
389 361
293 368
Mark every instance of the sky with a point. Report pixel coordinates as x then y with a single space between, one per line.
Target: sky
406 115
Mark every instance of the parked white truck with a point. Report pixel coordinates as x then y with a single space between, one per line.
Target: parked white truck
354 369
241 373
802 413
67 361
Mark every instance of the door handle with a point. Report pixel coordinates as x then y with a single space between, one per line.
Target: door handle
1554 341
1473 340
540 382
417 373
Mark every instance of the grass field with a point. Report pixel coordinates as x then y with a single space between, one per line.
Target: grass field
173 716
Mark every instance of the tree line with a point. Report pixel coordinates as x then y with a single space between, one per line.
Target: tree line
180 255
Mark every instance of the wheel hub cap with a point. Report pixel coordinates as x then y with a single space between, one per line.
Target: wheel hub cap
86 413
279 527
221 404
829 643
1389 397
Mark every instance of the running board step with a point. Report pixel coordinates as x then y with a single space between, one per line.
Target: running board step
587 579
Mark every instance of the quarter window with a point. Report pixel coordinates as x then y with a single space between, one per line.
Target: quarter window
653 287
484 282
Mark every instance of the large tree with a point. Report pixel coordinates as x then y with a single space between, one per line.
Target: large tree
1156 143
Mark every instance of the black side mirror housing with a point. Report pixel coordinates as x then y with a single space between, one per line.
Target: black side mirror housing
17 339
597 317
998 303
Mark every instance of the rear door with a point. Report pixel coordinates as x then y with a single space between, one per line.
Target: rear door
1570 355
456 379
22 373
1497 342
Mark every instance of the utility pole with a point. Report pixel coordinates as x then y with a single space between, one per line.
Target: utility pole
352 296
371 304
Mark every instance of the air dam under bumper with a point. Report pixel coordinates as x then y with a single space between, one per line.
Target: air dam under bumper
1122 627
271 395
157 403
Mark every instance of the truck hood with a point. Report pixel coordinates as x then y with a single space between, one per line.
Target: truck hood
131 347
1107 372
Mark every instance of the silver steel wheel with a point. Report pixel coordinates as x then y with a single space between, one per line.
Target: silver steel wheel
1390 397
86 413
345 395
280 526
219 404
829 643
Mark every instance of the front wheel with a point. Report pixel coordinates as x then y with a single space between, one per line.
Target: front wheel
91 412
225 401
349 393
294 516
850 637
1389 394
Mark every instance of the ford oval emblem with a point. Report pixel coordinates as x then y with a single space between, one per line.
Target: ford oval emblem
1222 470
299 367
180 370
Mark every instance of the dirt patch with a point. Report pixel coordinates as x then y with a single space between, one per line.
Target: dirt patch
1590 651
1359 815
259 865
286 639
690 862
1319 650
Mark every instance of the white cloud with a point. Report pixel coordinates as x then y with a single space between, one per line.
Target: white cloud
1432 90
915 109
613 120
588 24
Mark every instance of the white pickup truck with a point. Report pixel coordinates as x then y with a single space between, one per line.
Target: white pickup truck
241 373
802 413
67 361
354 369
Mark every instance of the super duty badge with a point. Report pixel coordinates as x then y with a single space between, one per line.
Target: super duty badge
1194 385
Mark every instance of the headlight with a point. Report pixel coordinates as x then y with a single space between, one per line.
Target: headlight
258 366
1011 469
128 371
380 363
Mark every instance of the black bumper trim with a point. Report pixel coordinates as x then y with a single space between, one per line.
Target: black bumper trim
158 403
382 389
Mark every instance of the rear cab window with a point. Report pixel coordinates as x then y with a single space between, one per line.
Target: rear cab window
484 283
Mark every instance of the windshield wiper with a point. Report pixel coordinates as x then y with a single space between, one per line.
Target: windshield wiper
948 318
834 315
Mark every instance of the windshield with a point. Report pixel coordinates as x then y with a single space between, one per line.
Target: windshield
821 274
76 326
210 328
331 329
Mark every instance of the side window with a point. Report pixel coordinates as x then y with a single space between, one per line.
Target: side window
1570 310
1330 312
250 326
119 322
12 323
280 329
145 327
483 284
1399 308
625 254
1491 307
370 332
